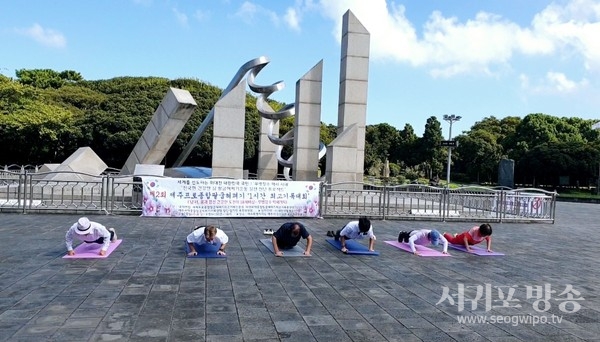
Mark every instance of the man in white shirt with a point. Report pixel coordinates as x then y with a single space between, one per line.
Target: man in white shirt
355 230
207 235
423 237
90 232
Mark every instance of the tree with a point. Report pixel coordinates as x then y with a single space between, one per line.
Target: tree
430 153
381 141
479 154
404 151
40 78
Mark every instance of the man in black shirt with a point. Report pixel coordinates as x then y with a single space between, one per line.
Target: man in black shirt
288 235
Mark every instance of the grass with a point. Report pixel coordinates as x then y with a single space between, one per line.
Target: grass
577 193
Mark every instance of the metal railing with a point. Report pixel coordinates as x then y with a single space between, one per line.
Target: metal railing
27 191
423 202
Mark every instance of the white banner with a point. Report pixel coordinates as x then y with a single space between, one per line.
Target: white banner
197 197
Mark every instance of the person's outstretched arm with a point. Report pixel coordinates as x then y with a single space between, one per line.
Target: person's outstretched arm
489 243
192 249
309 242
343 242
445 242
275 247
371 245
466 241
106 243
411 243
69 242
221 250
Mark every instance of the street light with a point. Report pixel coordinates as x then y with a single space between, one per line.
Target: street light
451 119
596 126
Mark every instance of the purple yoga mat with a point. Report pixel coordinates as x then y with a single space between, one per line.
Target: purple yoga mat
476 250
91 250
423 251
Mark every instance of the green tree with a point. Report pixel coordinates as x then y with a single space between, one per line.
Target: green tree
40 78
430 153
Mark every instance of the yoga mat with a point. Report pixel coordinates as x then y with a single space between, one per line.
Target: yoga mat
423 251
476 250
353 247
91 250
204 251
291 252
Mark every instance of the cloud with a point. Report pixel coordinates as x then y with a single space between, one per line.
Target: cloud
291 19
553 83
47 37
201 15
181 17
482 45
250 13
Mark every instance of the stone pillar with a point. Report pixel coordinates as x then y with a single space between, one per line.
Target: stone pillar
167 122
228 134
354 73
307 125
84 160
267 159
341 157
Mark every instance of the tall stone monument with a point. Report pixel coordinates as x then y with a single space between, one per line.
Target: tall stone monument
307 126
352 108
228 134
167 122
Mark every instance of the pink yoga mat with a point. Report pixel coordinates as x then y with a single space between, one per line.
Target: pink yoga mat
476 250
423 251
91 250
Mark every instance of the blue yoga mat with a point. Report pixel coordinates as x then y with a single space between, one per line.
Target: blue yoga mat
204 251
353 247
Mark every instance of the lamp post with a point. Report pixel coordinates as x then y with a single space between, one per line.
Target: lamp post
596 126
451 119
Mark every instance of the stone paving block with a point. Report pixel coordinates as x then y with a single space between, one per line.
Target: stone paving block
312 320
227 328
219 338
187 335
285 326
67 334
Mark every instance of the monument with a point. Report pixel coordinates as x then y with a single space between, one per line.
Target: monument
345 155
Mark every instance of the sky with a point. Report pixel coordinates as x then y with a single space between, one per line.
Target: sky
470 58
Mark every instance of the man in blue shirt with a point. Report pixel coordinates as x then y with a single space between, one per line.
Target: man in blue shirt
288 235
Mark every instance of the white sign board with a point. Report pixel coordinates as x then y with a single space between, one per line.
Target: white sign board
197 197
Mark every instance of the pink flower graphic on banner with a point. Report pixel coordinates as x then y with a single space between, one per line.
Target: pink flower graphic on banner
165 209
149 207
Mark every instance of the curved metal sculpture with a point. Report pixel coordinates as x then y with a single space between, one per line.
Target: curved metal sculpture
252 68
267 112
259 62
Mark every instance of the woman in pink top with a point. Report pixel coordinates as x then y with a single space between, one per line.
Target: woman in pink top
472 237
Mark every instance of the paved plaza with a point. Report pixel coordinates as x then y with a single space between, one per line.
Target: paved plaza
544 289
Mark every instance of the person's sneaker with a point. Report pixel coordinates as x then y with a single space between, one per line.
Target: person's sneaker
330 233
114 237
268 231
400 237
